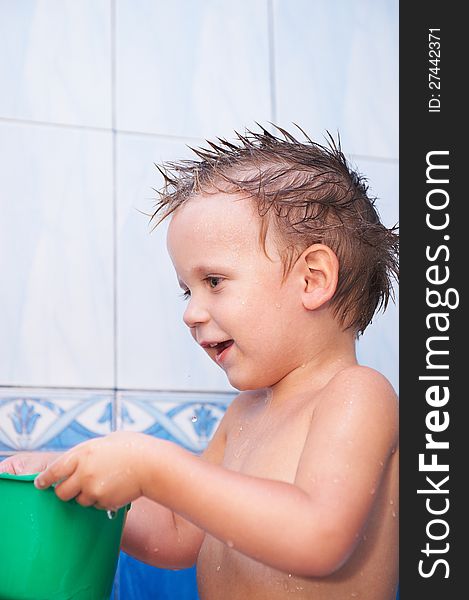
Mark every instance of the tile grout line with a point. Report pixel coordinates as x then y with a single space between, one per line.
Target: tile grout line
114 241
272 74
164 136
96 129
65 388
114 208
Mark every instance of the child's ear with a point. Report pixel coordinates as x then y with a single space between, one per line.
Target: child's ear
320 271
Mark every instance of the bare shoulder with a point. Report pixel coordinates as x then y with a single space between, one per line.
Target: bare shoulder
365 394
368 381
366 377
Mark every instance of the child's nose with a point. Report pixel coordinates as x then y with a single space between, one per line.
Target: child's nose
195 314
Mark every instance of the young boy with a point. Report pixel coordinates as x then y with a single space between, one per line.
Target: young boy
283 261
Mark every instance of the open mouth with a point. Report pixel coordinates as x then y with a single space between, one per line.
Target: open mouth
221 346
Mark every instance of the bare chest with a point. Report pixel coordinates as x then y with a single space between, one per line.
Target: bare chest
225 573
260 446
263 446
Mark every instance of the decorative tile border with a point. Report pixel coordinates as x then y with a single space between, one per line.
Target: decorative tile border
187 418
52 419
56 419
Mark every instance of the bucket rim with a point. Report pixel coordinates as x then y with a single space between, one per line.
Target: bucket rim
14 477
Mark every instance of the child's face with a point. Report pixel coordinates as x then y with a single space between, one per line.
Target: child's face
235 294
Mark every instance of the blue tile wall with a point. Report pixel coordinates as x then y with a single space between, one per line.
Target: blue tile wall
51 419
186 418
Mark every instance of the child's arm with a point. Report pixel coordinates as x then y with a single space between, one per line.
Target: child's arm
156 535
152 533
308 527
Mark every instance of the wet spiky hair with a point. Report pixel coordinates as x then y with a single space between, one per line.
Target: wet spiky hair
310 194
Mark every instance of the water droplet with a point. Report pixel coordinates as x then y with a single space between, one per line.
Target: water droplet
241 428
218 568
393 513
156 549
277 305
229 543
289 574
111 514
391 502
194 419
354 594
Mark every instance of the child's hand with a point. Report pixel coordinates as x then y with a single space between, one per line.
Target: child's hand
103 472
25 463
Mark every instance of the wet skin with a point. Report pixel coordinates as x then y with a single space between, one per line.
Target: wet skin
256 438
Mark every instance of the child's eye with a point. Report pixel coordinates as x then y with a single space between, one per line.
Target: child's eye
213 281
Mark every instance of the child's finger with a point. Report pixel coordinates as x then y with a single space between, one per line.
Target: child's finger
85 500
68 489
61 468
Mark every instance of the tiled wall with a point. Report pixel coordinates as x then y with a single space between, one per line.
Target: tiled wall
92 93
53 419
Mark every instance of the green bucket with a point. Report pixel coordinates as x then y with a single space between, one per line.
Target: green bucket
54 550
